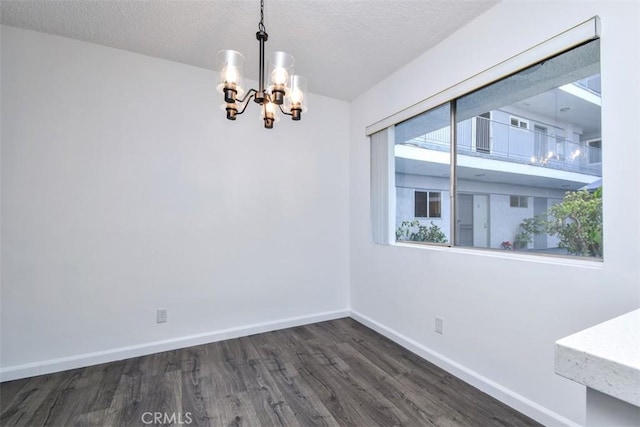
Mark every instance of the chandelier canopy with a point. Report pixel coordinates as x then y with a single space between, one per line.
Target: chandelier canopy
285 91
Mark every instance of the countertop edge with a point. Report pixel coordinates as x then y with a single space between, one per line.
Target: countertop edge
605 375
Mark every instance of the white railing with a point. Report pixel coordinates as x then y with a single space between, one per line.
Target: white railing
514 144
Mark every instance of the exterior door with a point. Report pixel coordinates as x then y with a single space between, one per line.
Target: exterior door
480 221
464 232
540 141
539 208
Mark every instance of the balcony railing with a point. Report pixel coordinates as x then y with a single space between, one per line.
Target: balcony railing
592 84
501 141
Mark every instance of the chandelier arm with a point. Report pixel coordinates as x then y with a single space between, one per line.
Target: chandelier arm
246 98
284 112
232 63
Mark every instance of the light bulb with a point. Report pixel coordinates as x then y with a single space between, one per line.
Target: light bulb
297 96
230 74
270 107
279 76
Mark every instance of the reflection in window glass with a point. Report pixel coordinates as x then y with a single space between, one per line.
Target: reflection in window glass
427 204
519 201
421 204
544 135
423 170
528 163
435 206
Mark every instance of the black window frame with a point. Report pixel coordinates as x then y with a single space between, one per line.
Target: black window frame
426 205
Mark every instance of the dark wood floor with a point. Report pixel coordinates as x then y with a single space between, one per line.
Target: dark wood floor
329 373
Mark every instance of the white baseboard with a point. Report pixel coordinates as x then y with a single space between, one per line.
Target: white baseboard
112 355
507 396
503 394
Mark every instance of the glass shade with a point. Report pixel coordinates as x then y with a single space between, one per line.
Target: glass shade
279 71
269 113
297 96
230 64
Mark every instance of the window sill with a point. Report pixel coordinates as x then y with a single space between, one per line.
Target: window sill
594 264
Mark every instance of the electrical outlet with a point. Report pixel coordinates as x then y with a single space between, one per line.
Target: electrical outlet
440 325
162 316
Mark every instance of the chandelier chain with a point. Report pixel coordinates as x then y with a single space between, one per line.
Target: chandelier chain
261 24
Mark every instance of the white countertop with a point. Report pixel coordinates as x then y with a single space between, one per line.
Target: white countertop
605 357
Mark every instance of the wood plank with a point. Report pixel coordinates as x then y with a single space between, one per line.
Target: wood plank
61 408
28 399
347 398
327 374
264 394
420 407
222 367
198 400
139 394
307 406
89 419
196 392
107 376
235 410
56 390
124 409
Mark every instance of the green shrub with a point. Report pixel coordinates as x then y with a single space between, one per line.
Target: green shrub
577 221
416 232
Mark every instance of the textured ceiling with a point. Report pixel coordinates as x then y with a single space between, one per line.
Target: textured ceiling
342 46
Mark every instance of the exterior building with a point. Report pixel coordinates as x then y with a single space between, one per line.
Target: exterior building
513 163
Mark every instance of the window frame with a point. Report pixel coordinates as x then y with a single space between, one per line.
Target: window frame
428 204
580 34
591 143
575 36
520 121
519 201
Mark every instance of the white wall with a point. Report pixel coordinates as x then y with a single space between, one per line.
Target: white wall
502 313
125 190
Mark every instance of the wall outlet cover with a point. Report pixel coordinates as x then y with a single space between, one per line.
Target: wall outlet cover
162 316
440 325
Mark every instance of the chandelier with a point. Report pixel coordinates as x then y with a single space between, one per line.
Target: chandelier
285 91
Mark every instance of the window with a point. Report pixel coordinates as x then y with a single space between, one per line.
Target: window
595 151
560 143
519 123
531 160
427 204
545 141
422 160
519 201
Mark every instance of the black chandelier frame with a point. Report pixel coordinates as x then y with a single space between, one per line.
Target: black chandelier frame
261 95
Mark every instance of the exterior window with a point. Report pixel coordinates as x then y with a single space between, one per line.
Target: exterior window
532 160
595 151
519 201
560 143
427 204
422 160
543 139
519 123
435 206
